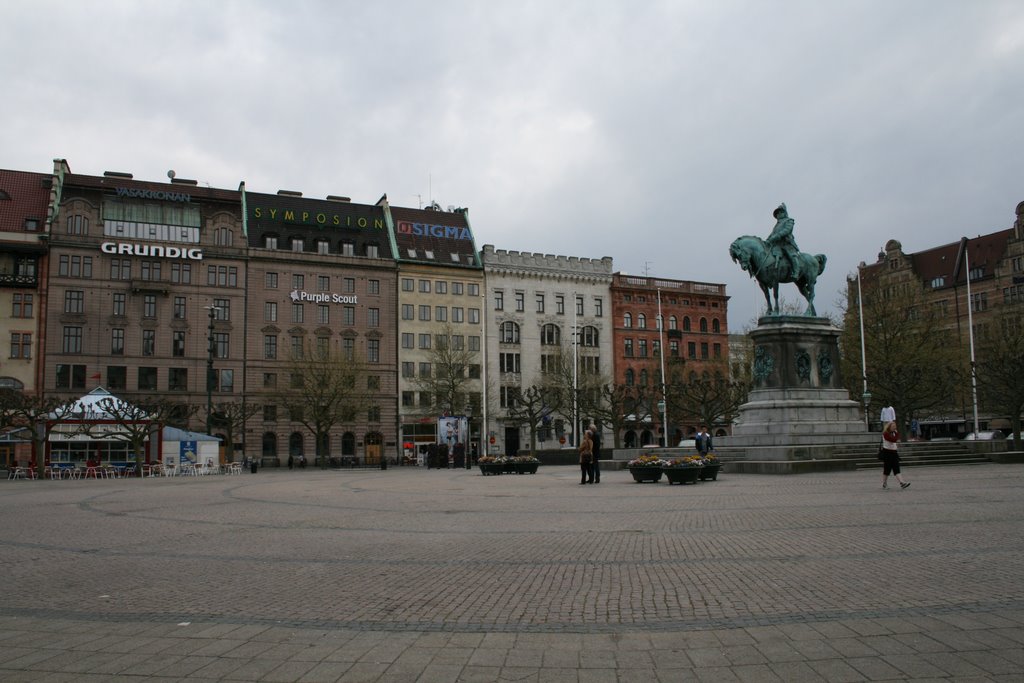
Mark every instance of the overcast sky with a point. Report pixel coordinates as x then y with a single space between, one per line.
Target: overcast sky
652 132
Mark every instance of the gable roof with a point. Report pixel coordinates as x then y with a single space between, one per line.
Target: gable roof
23 195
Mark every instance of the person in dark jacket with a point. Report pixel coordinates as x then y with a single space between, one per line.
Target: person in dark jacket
595 437
703 441
586 459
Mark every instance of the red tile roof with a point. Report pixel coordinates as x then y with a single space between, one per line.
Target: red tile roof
23 195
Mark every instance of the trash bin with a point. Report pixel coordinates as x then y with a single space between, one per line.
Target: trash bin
252 466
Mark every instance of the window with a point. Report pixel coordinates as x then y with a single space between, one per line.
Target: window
297 244
298 313
270 312
474 343
270 280
120 269
499 301
297 347
425 399
441 314
149 306
508 333
148 342
222 276
641 348
598 306
509 397
641 321
269 413
270 241
348 285
549 364
474 316
703 324
686 323
457 289
457 314
348 248
628 348
424 341
178 343
716 326
323 347
147 379
117 377
269 380
673 348
717 350
408 311
348 348
372 251
408 340
655 348
373 287
407 284
150 270
550 335
425 370
222 309
373 350
119 304
588 336
323 314
348 315
74 300
630 377
560 304
22 305
408 400
441 287
227 381
221 344
540 303
179 308
520 301
21 345
177 379
223 237
70 376
979 302
270 346
425 286
78 225
373 317
323 247
458 342
509 362
704 350
408 369
579 305
627 320
72 340
75 266
473 289
691 349
672 322
117 341
323 283
425 313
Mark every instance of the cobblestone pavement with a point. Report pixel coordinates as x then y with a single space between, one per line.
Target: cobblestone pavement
443 576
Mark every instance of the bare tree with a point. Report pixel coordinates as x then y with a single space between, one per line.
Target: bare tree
618 407
454 371
1000 370
530 407
132 423
37 415
231 416
709 397
324 390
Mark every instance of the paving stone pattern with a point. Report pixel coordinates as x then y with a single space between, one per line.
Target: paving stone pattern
446 575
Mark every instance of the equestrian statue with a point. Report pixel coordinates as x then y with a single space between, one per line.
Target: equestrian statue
778 259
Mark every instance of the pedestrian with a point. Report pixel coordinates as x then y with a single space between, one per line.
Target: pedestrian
595 437
703 441
890 456
291 461
586 459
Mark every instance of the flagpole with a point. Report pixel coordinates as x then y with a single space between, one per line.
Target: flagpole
970 334
664 397
863 356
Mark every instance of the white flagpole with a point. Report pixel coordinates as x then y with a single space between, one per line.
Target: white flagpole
664 398
970 334
863 355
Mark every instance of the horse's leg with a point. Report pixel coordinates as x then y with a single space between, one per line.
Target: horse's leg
767 296
775 292
807 289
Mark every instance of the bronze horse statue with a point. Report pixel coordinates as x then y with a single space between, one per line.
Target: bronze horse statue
770 267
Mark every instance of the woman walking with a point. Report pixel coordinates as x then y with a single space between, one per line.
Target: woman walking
586 459
890 455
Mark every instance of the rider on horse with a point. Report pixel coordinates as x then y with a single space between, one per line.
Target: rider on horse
782 243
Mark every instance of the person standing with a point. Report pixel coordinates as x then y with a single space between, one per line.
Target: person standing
890 455
703 441
586 459
595 437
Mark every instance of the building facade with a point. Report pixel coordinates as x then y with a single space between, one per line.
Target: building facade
542 309
689 319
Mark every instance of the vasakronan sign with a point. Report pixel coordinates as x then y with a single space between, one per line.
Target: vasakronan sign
428 230
323 298
160 195
152 250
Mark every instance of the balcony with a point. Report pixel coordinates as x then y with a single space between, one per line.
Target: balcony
19 281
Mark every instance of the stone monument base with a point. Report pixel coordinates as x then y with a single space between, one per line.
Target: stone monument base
798 417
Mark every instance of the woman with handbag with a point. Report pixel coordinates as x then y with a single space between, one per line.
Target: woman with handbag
890 456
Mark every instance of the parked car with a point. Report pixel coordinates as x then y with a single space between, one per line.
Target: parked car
985 436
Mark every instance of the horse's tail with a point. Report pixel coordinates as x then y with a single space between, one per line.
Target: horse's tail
820 258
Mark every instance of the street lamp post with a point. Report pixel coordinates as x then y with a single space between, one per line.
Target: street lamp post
211 348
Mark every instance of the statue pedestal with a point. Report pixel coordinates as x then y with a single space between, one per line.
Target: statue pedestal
798 417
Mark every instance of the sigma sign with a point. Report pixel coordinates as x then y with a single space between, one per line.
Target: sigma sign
323 298
427 230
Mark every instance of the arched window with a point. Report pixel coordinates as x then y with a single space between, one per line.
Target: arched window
672 322
643 378
588 336
508 333
269 445
658 322
686 323
550 335
703 324
78 225
716 326
295 444
223 237
627 320
641 321
348 443
630 377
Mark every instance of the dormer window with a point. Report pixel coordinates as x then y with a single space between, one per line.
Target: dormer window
429 254
412 253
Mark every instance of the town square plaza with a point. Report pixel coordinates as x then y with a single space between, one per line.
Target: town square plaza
446 575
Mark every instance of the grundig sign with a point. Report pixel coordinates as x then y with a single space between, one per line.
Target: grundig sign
153 250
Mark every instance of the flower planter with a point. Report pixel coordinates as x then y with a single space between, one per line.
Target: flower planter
682 475
709 472
642 474
491 468
526 467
